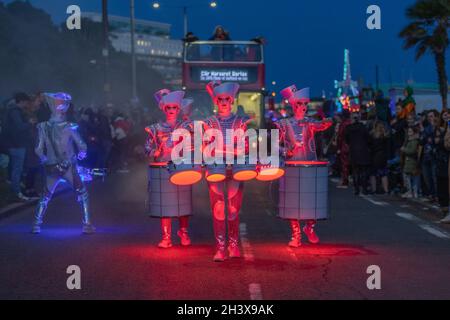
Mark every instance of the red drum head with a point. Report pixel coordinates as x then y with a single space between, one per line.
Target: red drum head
245 175
295 163
216 173
157 164
244 172
270 174
216 177
186 178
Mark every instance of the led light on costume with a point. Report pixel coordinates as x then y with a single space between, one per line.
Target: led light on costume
55 148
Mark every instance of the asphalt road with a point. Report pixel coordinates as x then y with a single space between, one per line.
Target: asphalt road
122 261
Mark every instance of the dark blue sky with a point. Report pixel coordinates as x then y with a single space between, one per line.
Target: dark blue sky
306 38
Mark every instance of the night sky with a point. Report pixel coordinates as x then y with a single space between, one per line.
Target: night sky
306 39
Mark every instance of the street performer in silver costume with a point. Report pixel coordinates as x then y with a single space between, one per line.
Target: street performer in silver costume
297 137
228 190
57 139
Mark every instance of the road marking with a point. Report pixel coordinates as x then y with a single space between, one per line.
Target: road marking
405 206
246 246
423 225
255 291
377 203
408 216
335 180
269 212
435 232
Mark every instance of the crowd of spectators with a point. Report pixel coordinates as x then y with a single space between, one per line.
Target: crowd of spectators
401 152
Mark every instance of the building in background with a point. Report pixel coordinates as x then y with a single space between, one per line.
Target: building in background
153 45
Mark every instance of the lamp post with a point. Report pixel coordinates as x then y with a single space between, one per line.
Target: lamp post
105 51
133 50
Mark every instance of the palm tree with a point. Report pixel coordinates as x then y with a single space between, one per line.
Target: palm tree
428 31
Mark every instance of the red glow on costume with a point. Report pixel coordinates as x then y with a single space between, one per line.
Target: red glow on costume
245 175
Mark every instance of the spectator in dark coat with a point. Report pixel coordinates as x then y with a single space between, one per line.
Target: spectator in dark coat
442 155
429 153
379 151
357 137
43 112
18 129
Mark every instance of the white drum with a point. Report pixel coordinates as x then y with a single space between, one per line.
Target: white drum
166 199
303 191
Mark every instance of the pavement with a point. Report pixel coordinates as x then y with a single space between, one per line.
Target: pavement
402 239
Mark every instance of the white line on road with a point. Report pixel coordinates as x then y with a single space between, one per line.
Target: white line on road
255 291
435 232
377 203
248 250
423 225
408 216
269 212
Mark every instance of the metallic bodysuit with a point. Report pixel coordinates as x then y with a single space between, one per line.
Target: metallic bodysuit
234 188
297 136
159 139
55 148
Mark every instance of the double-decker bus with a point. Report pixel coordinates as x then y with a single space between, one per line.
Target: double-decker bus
226 61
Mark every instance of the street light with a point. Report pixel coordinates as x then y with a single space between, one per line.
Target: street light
156 5
133 51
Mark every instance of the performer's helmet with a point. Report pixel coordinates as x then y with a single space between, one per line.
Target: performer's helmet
216 89
292 94
58 101
165 96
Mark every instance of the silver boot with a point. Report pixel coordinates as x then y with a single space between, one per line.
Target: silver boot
83 200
